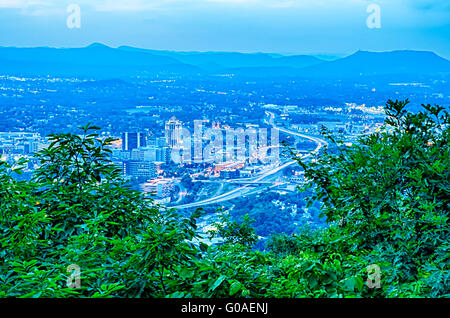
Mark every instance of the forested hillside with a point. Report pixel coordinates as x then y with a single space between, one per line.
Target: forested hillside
385 198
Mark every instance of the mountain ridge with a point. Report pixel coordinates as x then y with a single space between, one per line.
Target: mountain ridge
100 60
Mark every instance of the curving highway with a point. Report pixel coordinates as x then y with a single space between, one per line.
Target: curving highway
247 189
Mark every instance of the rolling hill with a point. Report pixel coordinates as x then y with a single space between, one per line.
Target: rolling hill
101 61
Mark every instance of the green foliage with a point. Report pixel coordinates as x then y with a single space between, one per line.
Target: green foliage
275 213
385 198
388 195
283 244
233 232
79 211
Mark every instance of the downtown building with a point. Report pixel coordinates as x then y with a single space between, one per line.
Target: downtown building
173 133
141 170
133 140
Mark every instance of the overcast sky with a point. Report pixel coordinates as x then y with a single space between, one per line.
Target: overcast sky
335 27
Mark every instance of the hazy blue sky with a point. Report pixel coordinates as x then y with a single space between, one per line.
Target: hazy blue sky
288 26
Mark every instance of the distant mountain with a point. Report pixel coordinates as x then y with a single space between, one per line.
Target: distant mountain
96 60
363 63
101 61
226 60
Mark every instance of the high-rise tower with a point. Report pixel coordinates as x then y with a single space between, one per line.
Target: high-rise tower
132 141
173 133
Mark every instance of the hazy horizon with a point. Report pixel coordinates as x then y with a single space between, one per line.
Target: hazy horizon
333 28
323 56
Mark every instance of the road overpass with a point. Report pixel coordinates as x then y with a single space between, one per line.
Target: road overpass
248 189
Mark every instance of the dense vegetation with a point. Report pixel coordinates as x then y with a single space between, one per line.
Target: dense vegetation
276 213
385 198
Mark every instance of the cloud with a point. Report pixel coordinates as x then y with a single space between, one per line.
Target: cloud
22 4
145 5
121 6
142 5
436 11
11 4
430 5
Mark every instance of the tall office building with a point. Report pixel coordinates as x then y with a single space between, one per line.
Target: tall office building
173 133
132 141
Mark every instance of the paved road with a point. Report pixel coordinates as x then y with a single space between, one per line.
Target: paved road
247 189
